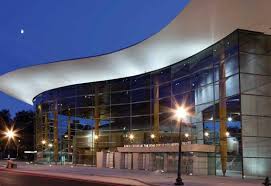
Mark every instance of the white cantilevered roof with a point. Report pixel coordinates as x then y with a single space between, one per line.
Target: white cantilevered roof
199 25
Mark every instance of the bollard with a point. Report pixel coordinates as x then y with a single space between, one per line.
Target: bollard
8 164
266 181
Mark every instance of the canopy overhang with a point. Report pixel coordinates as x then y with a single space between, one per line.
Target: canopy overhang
199 25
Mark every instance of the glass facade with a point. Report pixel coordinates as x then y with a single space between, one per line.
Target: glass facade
255 80
226 88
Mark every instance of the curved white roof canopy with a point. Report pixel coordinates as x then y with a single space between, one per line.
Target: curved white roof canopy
199 25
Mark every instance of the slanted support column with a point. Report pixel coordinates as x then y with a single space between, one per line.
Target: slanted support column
156 112
223 117
39 123
46 128
97 111
56 134
69 135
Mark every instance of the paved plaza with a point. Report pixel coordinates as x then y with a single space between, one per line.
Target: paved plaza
124 176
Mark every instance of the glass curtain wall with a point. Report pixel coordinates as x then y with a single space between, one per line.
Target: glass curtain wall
255 74
79 120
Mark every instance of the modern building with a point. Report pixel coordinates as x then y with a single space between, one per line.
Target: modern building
117 110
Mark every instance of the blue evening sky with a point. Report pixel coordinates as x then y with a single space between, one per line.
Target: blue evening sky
58 30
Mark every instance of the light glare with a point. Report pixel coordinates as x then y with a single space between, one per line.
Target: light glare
181 112
230 118
10 134
131 136
96 136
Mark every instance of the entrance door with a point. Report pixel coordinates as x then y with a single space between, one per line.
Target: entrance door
187 163
158 161
172 162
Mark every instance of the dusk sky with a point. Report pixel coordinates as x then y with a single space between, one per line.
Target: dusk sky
35 32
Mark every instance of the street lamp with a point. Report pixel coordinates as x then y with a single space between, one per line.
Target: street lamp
43 142
10 134
131 136
17 147
50 145
180 114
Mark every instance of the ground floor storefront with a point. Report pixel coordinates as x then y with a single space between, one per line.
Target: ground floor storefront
197 159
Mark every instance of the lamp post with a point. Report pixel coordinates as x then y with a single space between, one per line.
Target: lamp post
17 147
10 134
180 114
152 136
50 145
43 142
95 147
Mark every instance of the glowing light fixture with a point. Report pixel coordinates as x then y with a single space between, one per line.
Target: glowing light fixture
227 134
50 145
43 142
181 112
96 136
152 136
131 136
230 119
206 134
186 135
10 134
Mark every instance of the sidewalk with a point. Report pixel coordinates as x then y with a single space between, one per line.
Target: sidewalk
130 177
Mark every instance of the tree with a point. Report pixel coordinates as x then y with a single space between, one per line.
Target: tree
5 118
5 121
24 123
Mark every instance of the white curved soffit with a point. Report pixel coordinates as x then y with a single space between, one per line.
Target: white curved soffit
198 26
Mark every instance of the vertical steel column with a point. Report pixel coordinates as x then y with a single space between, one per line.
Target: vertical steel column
223 116
55 134
156 129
